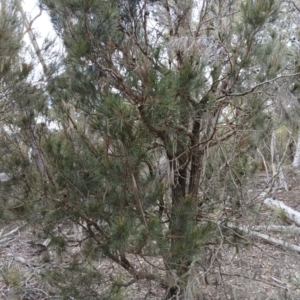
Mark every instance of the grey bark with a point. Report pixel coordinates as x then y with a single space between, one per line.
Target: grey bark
296 161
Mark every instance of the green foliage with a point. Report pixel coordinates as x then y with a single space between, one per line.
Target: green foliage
257 12
120 233
80 286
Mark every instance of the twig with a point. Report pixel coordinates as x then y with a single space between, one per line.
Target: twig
256 279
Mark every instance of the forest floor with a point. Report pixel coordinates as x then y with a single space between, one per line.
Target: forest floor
253 270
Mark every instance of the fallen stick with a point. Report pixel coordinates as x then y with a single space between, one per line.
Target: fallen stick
288 212
268 238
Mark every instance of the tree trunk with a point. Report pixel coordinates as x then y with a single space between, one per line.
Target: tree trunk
183 216
195 162
296 161
175 264
278 174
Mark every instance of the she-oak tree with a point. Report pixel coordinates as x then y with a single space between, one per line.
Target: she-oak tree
159 104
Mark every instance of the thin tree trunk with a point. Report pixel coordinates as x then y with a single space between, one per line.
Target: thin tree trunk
32 38
196 160
296 161
277 165
273 152
36 153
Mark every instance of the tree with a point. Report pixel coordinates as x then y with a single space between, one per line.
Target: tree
158 102
285 108
15 92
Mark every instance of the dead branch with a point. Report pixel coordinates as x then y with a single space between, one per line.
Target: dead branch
290 213
265 237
